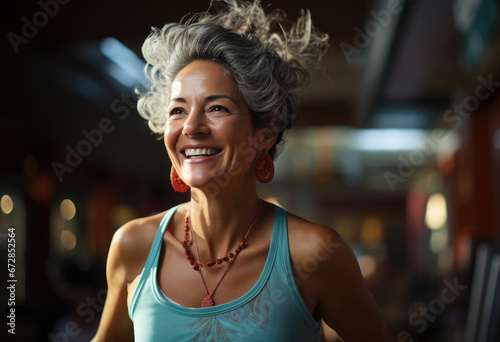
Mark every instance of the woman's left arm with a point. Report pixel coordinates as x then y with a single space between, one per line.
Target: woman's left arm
342 299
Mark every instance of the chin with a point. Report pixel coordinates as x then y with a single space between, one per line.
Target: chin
201 183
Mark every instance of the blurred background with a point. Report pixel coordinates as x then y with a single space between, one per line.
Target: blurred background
398 150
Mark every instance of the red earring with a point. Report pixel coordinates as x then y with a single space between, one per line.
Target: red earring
264 170
177 183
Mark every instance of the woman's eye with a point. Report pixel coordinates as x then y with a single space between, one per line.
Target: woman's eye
218 109
176 111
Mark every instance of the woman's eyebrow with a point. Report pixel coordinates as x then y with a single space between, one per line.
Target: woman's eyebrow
178 99
215 97
207 99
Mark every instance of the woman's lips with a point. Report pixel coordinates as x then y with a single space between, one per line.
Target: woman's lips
200 152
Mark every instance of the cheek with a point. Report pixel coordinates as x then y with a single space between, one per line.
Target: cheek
170 137
234 132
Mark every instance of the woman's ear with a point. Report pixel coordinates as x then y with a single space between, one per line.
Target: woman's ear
266 137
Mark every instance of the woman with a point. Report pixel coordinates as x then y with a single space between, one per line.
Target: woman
228 266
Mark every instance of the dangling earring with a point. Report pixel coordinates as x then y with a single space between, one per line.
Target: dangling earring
264 170
177 183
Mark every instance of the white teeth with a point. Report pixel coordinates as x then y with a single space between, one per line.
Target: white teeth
190 152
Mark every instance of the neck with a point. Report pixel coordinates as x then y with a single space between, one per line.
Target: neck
221 221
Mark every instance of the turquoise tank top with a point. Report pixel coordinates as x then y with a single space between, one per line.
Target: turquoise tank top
273 310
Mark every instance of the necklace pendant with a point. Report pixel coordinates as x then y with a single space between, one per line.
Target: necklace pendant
207 302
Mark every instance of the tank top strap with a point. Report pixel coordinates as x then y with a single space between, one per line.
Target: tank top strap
153 256
156 247
285 264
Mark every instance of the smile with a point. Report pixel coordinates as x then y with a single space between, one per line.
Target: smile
200 152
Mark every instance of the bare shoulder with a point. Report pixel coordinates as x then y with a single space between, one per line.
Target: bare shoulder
311 240
331 283
131 244
321 259
134 235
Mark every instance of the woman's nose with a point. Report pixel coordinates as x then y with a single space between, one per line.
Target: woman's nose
195 124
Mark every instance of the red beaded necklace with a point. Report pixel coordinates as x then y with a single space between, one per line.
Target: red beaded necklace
208 301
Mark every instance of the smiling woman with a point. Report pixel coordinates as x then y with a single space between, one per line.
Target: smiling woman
208 121
223 266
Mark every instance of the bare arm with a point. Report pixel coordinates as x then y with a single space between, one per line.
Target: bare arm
126 258
343 300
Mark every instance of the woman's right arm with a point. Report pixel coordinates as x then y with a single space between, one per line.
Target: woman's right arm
126 258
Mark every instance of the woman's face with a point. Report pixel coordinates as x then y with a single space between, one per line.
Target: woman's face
209 135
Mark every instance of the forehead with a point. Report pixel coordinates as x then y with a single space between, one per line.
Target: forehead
203 76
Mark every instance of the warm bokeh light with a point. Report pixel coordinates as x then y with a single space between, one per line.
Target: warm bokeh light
67 209
371 230
68 240
6 204
367 265
435 211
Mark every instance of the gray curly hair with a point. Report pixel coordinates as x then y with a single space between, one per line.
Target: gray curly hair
267 67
